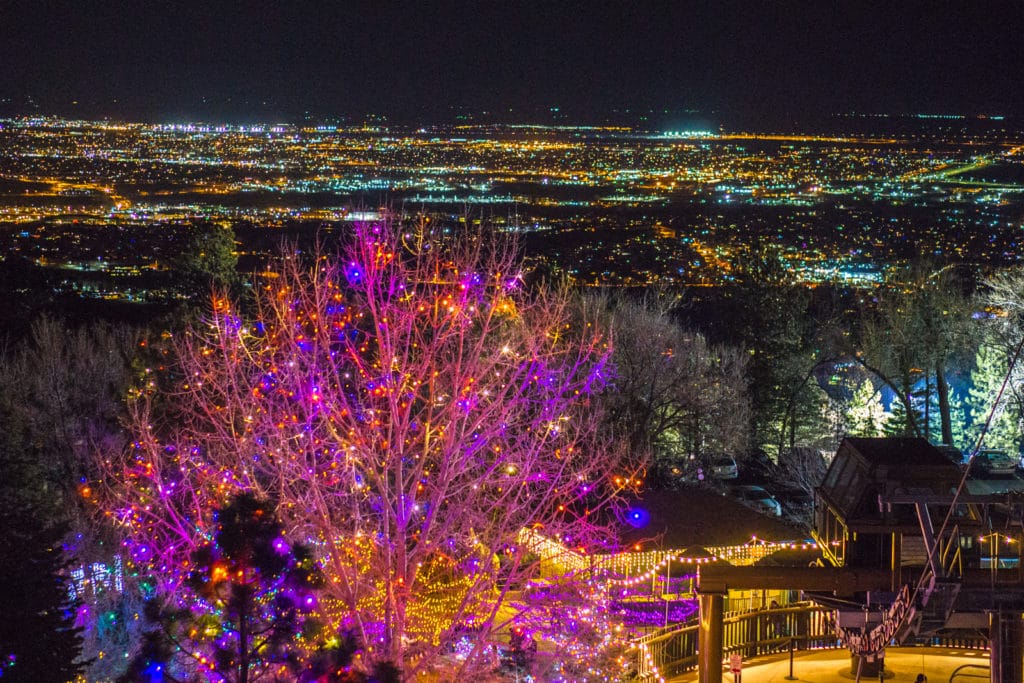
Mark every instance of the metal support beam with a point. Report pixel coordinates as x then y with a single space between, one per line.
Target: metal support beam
928 536
709 638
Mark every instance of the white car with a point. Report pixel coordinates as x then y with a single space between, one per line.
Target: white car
992 461
724 468
757 498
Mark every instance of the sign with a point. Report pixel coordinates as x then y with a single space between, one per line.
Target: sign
736 663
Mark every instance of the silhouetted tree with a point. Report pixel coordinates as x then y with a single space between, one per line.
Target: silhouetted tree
64 390
772 320
675 395
67 388
39 642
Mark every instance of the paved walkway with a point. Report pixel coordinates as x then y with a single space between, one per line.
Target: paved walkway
902 666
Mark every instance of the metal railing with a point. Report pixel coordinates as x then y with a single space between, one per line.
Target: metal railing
951 556
982 667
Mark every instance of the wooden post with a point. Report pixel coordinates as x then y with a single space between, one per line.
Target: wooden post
1006 641
709 637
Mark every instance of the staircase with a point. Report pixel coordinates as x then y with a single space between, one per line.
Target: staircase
936 604
930 614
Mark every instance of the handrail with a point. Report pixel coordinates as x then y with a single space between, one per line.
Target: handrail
667 653
949 564
956 671
752 633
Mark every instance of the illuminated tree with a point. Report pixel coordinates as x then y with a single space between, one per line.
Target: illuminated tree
249 594
864 414
1004 429
1002 331
410 409
917 334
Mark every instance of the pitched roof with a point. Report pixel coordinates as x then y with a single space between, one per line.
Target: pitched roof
902 452
699 516
863 469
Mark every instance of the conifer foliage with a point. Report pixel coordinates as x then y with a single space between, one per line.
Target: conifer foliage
39 642
244 617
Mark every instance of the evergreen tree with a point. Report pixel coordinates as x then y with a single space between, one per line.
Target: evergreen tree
244 618
39 642
906 418
773 323
864 414
960 423
1005 428
207 260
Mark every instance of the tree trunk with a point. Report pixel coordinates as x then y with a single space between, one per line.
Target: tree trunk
910 417
927 406
243 640
942 389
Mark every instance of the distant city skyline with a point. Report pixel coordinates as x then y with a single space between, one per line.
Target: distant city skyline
425 62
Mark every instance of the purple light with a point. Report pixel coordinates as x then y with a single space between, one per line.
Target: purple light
653 612
280 546
353 272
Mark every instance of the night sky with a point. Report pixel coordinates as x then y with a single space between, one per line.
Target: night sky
428 61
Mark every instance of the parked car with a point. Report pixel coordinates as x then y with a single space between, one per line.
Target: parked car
758 498
993 462
724 467
758 467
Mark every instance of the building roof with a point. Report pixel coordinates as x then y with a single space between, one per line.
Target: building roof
698 516
902 454
863 469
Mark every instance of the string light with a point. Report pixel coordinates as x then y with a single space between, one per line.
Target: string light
407 411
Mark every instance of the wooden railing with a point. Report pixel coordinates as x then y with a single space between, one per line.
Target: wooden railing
666 654
669 653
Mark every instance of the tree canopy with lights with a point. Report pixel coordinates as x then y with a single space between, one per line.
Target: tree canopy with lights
410 410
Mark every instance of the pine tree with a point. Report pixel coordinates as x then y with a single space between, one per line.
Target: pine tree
39 642
864 414
207 259
899 424
958 416
245 617
1005 428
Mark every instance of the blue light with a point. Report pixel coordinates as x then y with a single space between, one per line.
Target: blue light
637 518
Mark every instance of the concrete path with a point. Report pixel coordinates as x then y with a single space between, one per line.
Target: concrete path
902 666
